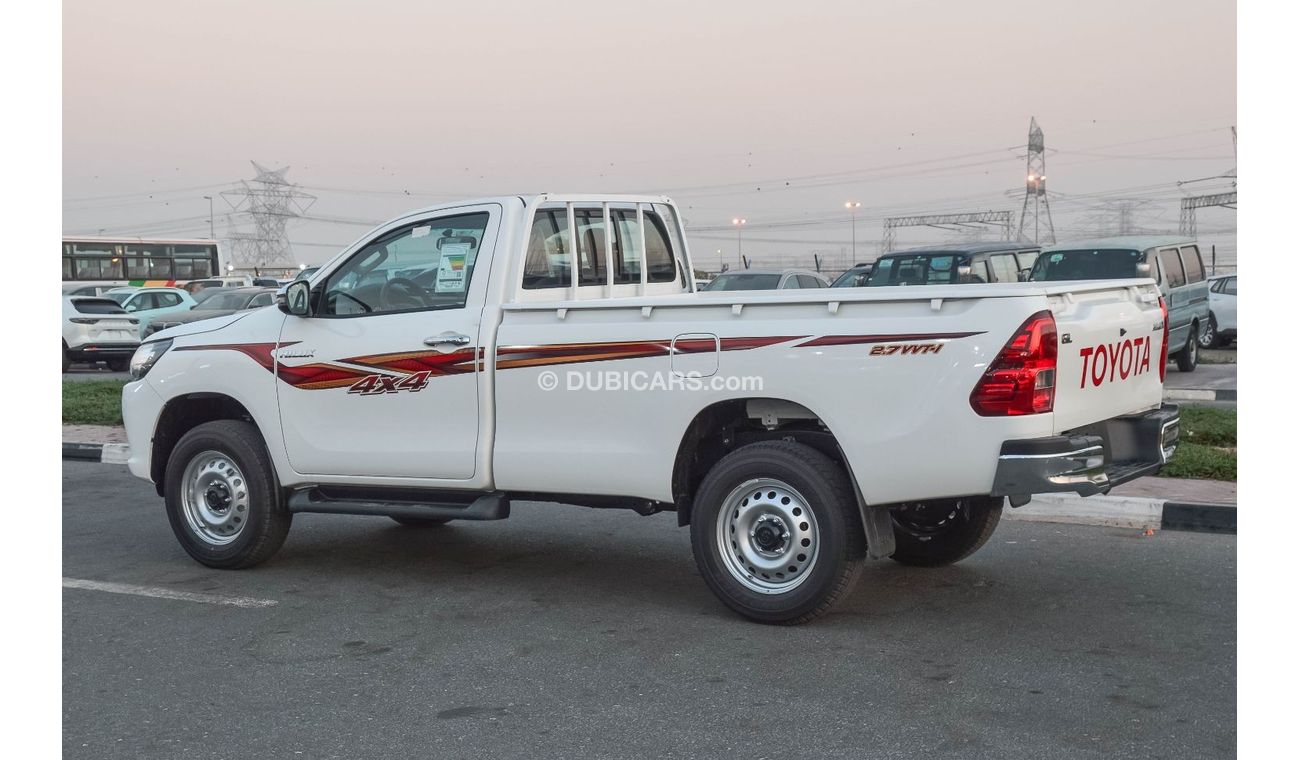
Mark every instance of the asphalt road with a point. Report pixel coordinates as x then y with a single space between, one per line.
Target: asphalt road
569 632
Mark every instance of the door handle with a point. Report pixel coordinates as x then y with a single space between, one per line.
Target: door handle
447 339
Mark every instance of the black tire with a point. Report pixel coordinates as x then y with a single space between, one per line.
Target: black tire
66 361
420 522
119 365
840 543
1187 358
1209 337
267 517
941 532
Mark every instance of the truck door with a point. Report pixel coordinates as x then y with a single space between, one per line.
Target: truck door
382 378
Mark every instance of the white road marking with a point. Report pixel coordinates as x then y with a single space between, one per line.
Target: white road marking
166 593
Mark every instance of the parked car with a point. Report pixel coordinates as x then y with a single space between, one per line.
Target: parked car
1221 328
766 279
1173 262
230 281
148 304
77 289
856 277
307 273
228 301
427 403
98 329
953 265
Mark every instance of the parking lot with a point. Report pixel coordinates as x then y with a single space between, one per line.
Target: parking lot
571 632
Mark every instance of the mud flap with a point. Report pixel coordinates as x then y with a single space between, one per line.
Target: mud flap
880 531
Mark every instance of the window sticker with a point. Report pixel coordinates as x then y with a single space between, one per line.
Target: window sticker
452 268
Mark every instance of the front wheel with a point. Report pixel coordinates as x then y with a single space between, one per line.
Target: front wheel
1209 337
935 533
119 365
776 533
222 499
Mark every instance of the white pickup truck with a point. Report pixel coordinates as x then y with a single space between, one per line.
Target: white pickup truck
553 348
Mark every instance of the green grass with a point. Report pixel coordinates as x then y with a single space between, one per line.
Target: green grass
1206 433
92 402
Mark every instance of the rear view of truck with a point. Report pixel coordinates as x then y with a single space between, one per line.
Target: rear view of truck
1103 388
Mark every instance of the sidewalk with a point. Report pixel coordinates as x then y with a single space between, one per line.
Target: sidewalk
94 434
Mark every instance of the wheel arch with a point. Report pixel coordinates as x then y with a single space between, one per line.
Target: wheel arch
723 426
185 412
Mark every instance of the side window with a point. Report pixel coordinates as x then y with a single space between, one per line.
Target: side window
1027 259
1192 263
259 300
425 265
1004 268
1230 288
167 300
1173 268
546 265
143 302
808 281
792 282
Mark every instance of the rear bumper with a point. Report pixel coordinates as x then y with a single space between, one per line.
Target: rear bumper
1088 461
94 351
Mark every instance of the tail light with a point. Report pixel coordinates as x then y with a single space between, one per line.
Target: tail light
1022 379
1164 340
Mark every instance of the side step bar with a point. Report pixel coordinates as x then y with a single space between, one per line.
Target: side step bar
488 506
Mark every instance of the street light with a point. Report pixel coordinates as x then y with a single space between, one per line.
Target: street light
230 268
853 207
740 245
302 267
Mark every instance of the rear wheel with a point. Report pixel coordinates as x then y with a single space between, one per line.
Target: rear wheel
119 365
1187 358
941 532
222 498
776 532
1209 337
66 361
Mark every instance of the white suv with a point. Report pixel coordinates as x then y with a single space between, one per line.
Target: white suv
98 329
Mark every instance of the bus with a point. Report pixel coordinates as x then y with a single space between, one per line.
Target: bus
137 261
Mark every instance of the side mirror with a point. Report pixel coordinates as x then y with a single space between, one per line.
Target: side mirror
1144 269
963 270
1024 274
295 298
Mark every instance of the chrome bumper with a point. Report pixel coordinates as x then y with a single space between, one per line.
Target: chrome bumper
1090 460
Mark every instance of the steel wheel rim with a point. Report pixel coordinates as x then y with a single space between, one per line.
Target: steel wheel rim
1207 334
767 536
214 498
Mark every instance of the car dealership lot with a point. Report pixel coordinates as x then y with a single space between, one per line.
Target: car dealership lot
573 637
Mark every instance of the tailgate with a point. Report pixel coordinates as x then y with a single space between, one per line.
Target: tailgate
1108 362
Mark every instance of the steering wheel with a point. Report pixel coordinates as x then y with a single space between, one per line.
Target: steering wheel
401 293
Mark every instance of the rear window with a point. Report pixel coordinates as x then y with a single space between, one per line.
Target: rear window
1104 264
97 306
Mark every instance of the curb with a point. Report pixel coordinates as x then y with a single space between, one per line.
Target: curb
1197 394
106 453
1127 512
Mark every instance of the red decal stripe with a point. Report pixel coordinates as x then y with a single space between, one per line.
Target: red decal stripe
850 340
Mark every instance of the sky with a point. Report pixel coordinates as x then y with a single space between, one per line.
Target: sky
777 112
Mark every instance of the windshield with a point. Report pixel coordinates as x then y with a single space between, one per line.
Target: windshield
228 300
928 269
854 278
1105 264
743 281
